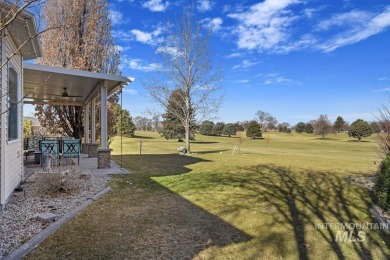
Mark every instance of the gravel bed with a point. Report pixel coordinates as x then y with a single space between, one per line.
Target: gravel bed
17 221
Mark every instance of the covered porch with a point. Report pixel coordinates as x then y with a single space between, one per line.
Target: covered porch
59 86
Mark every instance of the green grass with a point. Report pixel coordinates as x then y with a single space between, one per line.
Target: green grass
261 203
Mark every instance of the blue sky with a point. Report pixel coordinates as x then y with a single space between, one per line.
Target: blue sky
295 59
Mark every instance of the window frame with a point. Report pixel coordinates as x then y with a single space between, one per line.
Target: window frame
16 129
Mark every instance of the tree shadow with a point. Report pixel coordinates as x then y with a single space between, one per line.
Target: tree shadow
357 141
211 151
201 142
325 139
309 201
143 218
142 137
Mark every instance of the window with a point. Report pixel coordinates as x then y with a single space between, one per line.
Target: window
13 118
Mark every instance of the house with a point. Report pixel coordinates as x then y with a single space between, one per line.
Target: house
22 82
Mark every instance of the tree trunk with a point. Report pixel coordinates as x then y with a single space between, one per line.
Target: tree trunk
187 129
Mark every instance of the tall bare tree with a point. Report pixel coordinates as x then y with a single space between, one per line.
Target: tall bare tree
88 45
322 126
186 66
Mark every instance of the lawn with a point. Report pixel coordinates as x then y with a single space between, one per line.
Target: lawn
263 202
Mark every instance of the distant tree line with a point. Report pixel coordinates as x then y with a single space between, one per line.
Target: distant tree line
323 126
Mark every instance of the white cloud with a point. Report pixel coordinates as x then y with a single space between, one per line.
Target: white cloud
245 64
272 78
265 25
384 78
138 64
123 36
234 55
353 18
146 37
204 5
122 48
156 5
166 49
243 81
360 26
308 12
214 24
116 17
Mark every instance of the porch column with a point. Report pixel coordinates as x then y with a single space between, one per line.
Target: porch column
86 124
103 115
93 121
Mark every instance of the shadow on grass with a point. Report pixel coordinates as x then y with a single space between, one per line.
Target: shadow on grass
201 142
326 139
308 200
357 141
142 219
142 137
211 151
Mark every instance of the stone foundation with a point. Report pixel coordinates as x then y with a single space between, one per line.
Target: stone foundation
84 148
104 158
93 150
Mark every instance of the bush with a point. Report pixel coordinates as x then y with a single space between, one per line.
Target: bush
382 184
55 181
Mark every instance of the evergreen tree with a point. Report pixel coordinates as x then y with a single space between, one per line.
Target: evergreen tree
300 127
339 124
360 129
229 129
124 120
218 128
206 127
172 127
309 128
253 130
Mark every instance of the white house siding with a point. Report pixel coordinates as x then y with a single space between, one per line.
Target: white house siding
11 151
1 109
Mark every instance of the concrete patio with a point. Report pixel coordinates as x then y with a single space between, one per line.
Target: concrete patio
88 166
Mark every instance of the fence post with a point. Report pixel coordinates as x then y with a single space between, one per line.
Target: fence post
140 147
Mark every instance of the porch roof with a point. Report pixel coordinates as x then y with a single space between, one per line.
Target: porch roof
46 85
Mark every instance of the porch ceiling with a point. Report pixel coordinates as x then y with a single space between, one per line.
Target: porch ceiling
45 84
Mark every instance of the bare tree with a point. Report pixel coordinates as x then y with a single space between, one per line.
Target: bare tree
262 117
88 45
322 126
186 65
12 18
383 136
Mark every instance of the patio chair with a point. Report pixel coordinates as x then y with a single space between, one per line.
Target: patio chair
48 148
71 149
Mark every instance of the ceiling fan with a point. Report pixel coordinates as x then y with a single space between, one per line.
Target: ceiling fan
64 94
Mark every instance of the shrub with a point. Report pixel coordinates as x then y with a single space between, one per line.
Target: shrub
382 184
55 181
